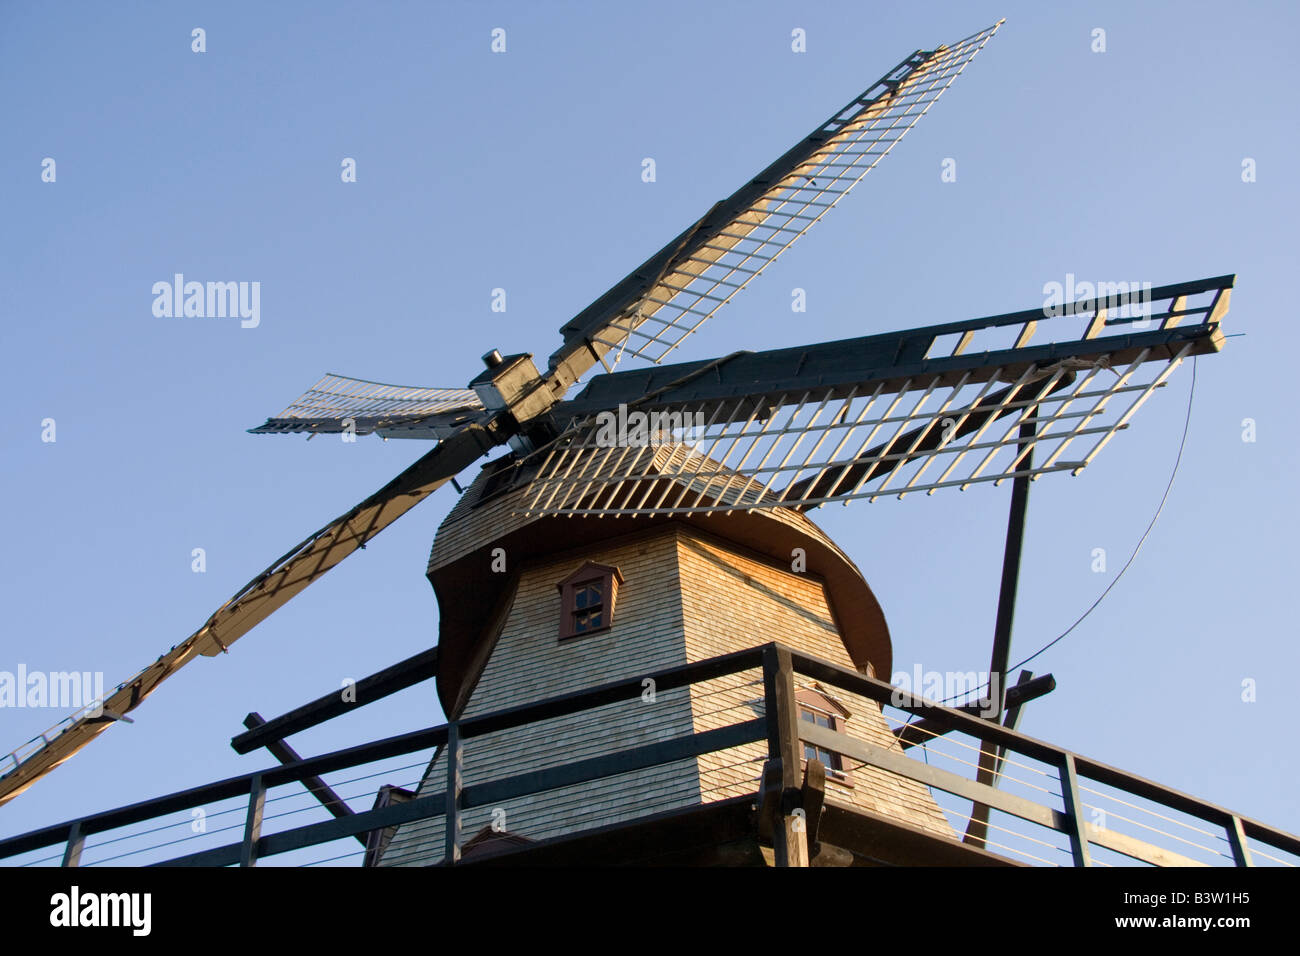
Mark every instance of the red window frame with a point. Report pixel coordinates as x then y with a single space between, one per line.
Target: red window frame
576 607
817 703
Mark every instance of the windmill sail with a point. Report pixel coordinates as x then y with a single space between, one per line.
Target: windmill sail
647 314
338 404
252 604
670 295
887 414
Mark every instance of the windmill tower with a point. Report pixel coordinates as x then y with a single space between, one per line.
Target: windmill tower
658 519
590 601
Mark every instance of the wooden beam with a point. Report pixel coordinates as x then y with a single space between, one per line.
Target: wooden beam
1219 308
825 854
885 694
927 728
76 843
769 798
789 832
813 798
1237 840
1077 827
978 828
1096 325
253 822
420 667
1012 720
454 753
313 834
1026 333
1137 849
1177 306
410 742
896 763
990 755
879 840
317 787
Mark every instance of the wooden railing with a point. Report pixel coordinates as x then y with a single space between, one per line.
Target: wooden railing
782 778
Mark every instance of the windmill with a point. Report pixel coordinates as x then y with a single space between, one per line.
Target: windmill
716 461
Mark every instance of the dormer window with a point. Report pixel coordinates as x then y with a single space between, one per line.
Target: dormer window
817 708
587 600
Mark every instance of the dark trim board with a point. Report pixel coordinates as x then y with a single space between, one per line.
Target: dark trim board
725 833
721 833
875 840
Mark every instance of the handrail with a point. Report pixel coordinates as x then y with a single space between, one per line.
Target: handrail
424 739
995 733
779 726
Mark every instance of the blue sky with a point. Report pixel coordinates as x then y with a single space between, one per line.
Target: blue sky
522 171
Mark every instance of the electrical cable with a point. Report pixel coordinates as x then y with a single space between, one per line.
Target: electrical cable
1182 444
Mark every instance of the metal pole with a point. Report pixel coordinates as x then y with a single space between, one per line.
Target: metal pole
1078 830
317 787
1011 567
253 822
76 842
977 829
1237 839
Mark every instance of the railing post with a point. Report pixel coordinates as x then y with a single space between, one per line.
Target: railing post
1077 830
1237 839
253 822
455 759
76 842
789 831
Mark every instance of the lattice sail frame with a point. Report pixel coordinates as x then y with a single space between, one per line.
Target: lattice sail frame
370 407
941 426
693 288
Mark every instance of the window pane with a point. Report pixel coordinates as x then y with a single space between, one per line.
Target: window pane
812 716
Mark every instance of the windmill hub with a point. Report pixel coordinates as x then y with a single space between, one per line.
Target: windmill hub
512 389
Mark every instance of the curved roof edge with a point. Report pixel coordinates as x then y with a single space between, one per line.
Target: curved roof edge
470 599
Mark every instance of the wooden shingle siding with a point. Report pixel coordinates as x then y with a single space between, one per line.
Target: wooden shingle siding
530 663
732 601
686 596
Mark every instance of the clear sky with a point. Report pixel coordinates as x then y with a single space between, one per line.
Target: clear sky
522 171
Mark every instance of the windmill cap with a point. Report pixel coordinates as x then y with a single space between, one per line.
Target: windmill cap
490 515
